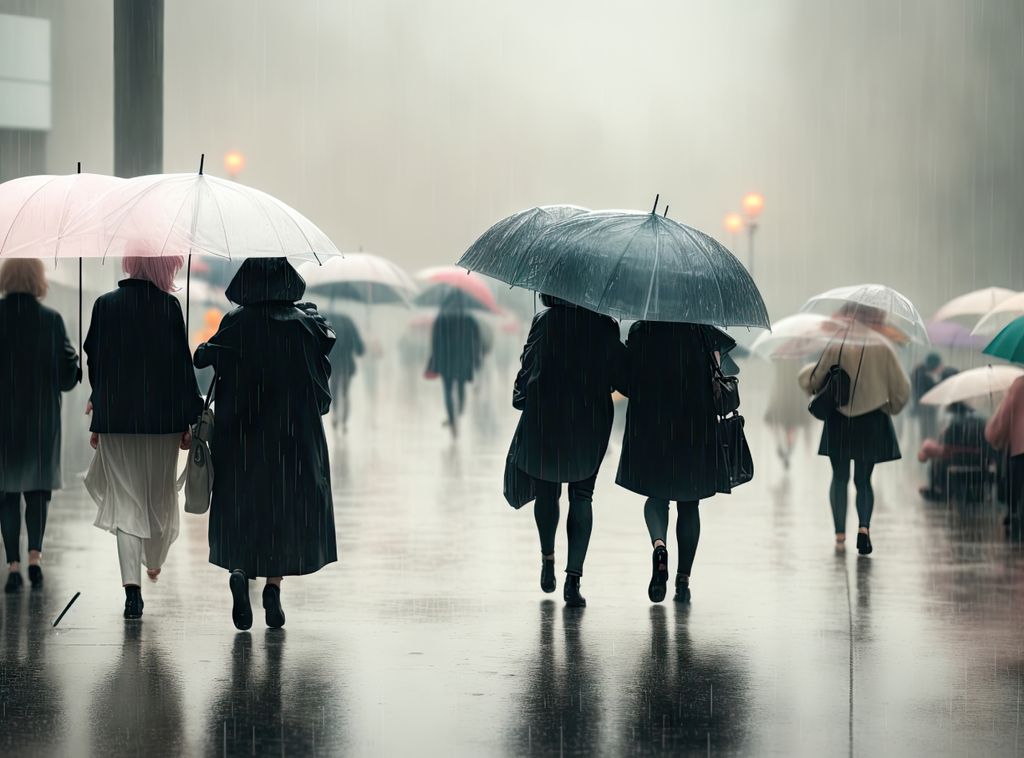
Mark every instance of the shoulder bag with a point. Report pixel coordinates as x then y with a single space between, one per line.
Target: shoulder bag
197 478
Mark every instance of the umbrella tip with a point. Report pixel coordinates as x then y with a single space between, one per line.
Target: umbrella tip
202 159
79 167
666 211
655 208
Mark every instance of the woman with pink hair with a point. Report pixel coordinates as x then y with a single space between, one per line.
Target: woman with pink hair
144 399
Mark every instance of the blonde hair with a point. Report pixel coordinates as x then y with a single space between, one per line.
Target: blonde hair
23 276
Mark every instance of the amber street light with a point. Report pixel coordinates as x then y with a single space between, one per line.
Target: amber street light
753 204
234 162
733 224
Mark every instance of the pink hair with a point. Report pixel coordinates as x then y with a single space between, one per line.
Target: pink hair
158 269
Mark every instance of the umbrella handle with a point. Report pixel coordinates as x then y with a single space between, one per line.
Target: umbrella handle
188 282
81 324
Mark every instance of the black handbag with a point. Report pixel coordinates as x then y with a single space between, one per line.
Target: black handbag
519 488
835 392
735 465
724 389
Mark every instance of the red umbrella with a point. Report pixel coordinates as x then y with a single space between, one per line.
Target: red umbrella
440 279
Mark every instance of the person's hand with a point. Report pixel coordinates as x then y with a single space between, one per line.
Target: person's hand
186 440
88 407
94 440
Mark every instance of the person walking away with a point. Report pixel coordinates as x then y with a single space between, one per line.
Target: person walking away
456 350
37 364
787 409
144 399
860 432
272 514
922 379
1005 432
571 363
669 448
347 346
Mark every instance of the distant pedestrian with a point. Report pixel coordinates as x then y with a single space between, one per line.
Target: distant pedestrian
456 351
922 379
961 443
787 409
1005 432
37 363
348 345
860 432
272 514
571 362
669 449
144 399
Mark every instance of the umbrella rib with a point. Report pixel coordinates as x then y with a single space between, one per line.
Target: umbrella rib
170 229
707 257
301 231
21 210
654 272
127 205
618 263
223 226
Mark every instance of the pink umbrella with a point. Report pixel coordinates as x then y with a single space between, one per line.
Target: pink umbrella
441 279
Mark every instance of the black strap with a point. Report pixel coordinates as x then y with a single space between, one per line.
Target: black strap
209 392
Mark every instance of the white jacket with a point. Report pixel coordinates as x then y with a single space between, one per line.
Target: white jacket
880 384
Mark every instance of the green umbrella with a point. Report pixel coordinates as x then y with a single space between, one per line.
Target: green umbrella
1009 343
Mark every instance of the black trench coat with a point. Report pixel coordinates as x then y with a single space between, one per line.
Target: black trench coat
669 445
272 512
456 345
37 363
572 361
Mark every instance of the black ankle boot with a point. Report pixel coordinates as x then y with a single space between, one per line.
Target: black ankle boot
133 602
547 575
272 605
682 589
241 609
14 582
863 544
659 574
571 593
35 575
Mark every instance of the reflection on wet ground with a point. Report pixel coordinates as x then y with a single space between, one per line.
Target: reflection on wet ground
431 636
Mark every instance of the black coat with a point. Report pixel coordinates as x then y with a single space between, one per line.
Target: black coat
669 446
347 345
272 512
572 361
37 363
456 345
140 366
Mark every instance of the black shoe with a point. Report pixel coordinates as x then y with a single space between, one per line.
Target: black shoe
133 602
35 575
659 574
241 610
547 575
863 544
272 605
14 582
682 589
571 593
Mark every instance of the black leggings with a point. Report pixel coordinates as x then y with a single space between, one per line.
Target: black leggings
454 397
579 523
339 392
838 496
687 528
37 503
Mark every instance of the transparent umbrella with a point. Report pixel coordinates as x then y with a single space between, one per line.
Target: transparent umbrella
874 303
975 386
439 281
361 277
631 265
972 305
803 334
1001 315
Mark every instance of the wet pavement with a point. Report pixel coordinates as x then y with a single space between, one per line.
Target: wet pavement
432 637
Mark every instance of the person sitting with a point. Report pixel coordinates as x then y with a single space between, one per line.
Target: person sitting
962 443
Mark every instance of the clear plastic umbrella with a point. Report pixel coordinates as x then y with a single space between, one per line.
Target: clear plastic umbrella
975 386
874 303
439 281
361 277
1001 315
803 334
972 305
632 265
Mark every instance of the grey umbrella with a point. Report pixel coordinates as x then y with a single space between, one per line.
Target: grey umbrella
630 265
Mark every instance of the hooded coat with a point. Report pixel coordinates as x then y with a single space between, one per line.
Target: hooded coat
272 513
37 363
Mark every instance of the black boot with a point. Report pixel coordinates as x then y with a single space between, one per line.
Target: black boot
241 610
133 601
272 605
35 575
659 574
864 544
571 593
682 589
14 582
547 575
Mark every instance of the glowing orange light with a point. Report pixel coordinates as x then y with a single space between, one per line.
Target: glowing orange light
753 204
234 162
733 223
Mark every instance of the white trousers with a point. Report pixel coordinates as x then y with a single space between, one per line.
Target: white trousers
131 551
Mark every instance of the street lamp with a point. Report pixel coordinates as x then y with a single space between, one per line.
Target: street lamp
733 224
234 162
753 204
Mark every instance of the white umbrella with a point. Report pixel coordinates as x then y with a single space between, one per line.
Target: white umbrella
984 382
1001 315
857 300
362 277
973 304
804 333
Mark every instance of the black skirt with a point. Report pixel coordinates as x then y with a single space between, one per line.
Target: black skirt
870 438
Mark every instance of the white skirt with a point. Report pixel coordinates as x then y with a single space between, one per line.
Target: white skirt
132 478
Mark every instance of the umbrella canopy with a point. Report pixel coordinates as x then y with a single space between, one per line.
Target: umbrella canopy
976 384
1001 315
36 211
954 335
439 281
1009 343
361 277
632 265
869 303
803 334
177 214
498 250
973 304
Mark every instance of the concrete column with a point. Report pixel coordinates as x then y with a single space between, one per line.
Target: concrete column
138 87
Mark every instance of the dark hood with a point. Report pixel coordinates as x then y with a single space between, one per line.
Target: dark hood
262 280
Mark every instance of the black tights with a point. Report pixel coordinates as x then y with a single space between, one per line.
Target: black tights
838 496
579 523
454 397
37 504
687 528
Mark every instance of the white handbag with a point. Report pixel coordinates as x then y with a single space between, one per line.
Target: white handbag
197 478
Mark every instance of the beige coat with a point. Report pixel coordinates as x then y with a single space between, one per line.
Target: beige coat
881 383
